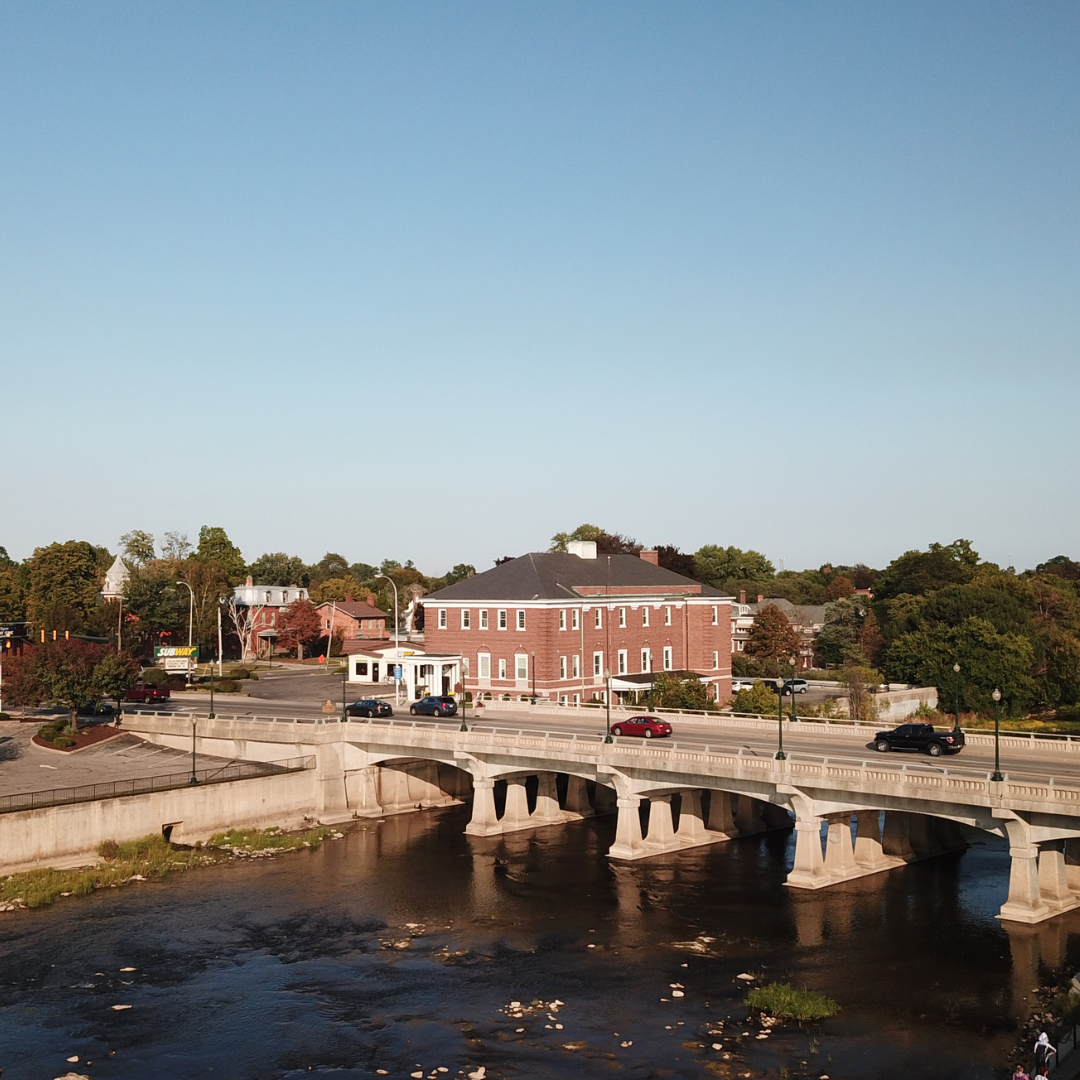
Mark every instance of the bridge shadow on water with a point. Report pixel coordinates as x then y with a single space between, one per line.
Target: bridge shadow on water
397 947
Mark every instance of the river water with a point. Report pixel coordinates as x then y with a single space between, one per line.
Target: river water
307 965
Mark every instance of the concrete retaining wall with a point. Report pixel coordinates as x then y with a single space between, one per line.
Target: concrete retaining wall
64 836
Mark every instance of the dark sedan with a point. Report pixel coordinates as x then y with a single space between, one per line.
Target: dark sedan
648 727
434 706
370 707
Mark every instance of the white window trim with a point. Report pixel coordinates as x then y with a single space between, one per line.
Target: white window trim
646 661
715 615
521 662
575 619
622 662
562 618
667 616
669 658
442 618
466 619
715 660
483 619
480 665
622 617
500 621
519 619
575 666
562 667
598 664
598 618
502 668
644 616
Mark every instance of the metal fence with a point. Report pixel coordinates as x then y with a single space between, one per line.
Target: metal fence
222 774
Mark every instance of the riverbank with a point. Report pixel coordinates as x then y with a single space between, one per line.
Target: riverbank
148 858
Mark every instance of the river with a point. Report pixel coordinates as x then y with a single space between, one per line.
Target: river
397 947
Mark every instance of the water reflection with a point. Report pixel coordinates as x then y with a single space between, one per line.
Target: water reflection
399 945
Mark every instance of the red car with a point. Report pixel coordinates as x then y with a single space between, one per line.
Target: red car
649 727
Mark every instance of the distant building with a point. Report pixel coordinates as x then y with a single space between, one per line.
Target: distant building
259 606
557 622
116 578
806 620
354 618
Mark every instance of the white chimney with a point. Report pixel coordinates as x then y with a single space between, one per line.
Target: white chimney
583 549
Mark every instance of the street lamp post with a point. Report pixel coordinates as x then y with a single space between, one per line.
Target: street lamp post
997 777
194 779
607 703
533 702
780 755
344 677
397 639
956 725
190 623
212 715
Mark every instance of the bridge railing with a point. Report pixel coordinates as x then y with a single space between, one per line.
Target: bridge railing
247 770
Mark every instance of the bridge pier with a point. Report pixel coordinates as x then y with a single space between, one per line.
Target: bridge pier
809 870
629 843
484 820
660 838
721 823
331 799
1025 903
749 815
869 852
577 797
691 831
547 811
839 860
364 784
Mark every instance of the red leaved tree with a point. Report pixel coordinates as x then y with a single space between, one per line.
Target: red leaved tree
299 627
772 636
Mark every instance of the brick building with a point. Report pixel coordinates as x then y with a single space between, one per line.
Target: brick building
806 620
354 618
556 622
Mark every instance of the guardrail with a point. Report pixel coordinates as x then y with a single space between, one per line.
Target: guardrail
248 770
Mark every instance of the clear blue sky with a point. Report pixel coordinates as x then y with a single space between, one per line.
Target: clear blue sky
436 280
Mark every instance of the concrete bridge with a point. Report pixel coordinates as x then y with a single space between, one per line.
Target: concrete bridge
672 795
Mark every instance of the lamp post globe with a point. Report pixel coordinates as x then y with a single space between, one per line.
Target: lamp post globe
997 777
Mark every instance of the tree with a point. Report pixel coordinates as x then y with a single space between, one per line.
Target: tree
54 673
606 543
955 603
840 588
65 583
153 607
244 619
677 690
679 562
215 546
339 588
459 573
299 626
772 636
857 679
758 699
137 547
987 660
14 586
718 565
115 674
839 640
211 586
280 569
1061 566
176 546
922 572
331 565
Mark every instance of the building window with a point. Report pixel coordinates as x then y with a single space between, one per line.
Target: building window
521 620
521 666
622 616
575 663
669 660
502 669
442 618
562 699
644 616
577 699
598 663
715 659
502 618
622 662
483 619
715 615
646 660
466 618
575 621
562 667
667 616
483 665
268 595
562 619
361 667
284 597
598 618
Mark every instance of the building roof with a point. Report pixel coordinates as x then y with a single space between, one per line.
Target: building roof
358 609
555 575
797 614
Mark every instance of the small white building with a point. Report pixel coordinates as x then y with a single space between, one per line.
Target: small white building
276 596
376 662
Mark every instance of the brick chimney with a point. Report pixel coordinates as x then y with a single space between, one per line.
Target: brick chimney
371 598
652 556
250 580
742 596
760 597
348 599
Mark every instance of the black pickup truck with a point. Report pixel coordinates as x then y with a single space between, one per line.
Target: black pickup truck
920 737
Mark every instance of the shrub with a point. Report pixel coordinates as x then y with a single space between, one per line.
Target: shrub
781 999
108 850
5 716
48 732
62 742
758 699
226 686
155 677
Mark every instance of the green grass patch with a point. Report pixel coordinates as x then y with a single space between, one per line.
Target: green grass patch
783 1000
147 858
244 841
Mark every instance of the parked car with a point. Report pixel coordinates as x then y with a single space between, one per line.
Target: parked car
149 695
369 707
797 686
434 706
741 684
919 737
648 727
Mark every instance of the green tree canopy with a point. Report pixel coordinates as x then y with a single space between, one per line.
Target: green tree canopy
922 572
987 660
137 547
331 565
716 565
840 640
154 607
64 585
114 674
606 543
280 569
955 603
14 587
215 546
677 690
58 673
